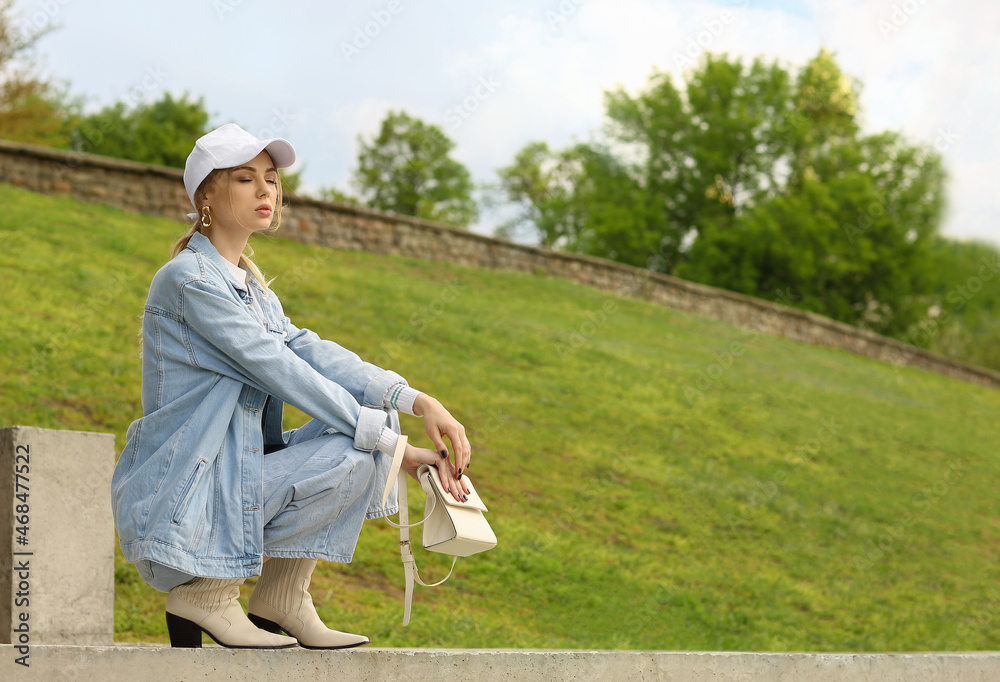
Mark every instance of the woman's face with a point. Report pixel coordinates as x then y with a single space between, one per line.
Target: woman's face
245 196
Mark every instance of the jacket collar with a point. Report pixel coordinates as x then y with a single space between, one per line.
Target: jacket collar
203 245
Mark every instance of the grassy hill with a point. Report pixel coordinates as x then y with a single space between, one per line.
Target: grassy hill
805 499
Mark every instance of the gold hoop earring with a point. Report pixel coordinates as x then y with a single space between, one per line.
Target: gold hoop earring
206 217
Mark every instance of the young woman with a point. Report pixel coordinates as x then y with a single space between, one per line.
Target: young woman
208 491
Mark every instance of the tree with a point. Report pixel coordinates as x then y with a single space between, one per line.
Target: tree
337 196
703 154
965 318
824 107
31 108
291 180
406 169
849 231
675 164
159 132
542 184
749 179
580 199
795 243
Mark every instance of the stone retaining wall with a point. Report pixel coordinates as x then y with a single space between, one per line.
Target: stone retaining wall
160 191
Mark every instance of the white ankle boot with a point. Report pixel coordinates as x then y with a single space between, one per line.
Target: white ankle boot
210 605
281 601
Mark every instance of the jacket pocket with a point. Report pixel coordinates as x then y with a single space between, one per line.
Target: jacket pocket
187 492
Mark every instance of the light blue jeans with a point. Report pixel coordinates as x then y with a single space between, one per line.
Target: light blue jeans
318 492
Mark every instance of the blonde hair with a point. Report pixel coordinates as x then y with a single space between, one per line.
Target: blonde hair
199 199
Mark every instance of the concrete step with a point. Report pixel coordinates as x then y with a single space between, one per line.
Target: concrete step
52 663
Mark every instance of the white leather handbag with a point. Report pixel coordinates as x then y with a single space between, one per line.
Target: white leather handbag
450 526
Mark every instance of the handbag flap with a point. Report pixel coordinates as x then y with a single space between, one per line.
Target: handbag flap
474 502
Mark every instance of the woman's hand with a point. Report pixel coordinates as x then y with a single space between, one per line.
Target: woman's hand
413 457
439 423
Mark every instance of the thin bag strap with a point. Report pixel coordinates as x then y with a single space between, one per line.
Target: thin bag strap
405 549
416 573
402 501
395 470
406 554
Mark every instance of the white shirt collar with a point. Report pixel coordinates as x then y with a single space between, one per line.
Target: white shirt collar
237 272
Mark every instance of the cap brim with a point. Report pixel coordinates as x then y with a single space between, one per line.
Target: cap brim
281 152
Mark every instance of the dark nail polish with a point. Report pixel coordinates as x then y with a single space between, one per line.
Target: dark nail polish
460 474
444 453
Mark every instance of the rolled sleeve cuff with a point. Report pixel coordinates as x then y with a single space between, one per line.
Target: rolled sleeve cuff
379 386
401 397
370 423
387 441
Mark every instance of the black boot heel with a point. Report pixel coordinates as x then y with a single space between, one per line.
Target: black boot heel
184 634
265 624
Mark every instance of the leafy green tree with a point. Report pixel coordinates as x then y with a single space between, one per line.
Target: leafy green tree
32 109
337 196
965 319
610 208
542 183
407 169
676 163
291 180
749 179
158 132
36 112
580 199
704 153
849 230
823 114
795 243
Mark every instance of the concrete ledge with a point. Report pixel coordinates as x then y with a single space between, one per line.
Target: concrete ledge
152 663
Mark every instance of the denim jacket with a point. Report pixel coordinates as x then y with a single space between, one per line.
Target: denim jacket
187 490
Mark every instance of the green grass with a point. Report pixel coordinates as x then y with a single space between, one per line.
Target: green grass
750 518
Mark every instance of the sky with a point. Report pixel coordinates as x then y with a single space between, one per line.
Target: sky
496 76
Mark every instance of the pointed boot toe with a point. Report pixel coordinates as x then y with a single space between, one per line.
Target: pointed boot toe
281 603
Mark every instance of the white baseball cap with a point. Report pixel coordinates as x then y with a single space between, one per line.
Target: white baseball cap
228 146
